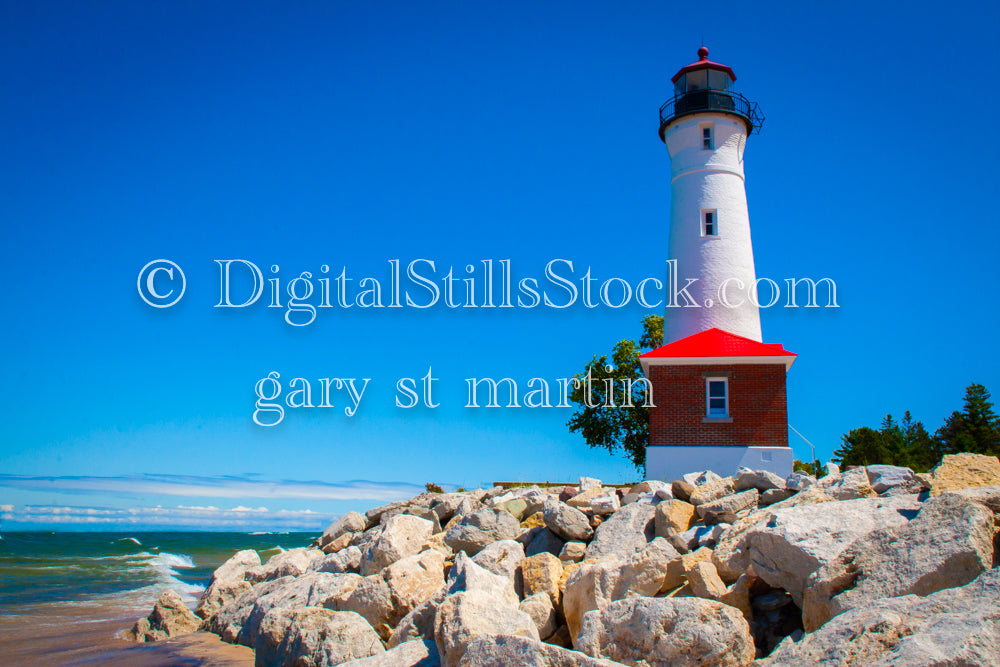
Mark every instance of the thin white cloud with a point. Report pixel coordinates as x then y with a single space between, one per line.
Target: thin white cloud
213 487
236 518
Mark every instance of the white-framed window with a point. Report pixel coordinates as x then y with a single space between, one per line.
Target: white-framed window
716 397
710 222
707 142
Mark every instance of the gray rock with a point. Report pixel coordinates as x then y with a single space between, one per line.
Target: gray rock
762 480
948 544
567 522
402 535
589 483
314 636
886 477
414 653
352 522
627 531
702 536
314 589
539 608
848 485
715 490
479 529
701 478
791 543
466 575
798 481
345 560
170 618
573 552
467 615
544 541
501 557
772 496
515 651
650 486
679 632
229 621
725 509
955 626
228 583
419 623
287 563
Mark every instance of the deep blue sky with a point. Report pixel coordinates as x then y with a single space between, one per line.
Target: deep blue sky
349 134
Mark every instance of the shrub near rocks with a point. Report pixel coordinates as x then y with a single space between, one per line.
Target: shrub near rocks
456 579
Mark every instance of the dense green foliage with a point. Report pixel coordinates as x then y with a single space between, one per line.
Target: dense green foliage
907 443
815 468
617 420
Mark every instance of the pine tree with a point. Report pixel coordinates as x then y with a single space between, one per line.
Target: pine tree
975 429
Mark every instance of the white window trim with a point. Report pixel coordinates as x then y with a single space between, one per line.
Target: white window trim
708 408
715 223
711 136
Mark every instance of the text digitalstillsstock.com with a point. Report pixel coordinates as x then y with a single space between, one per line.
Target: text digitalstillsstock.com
421 284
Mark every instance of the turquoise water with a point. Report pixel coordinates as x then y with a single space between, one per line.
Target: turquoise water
129 569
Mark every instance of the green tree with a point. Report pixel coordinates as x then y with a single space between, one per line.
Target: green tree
920 450
861 446
975 429
611 396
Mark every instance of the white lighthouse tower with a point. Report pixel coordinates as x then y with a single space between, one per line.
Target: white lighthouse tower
718 389
705 127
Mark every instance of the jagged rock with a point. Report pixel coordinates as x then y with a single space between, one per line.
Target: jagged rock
762 480
948 544
479 529
402 535
964 471
170 618
738 595
419 623
544 541
675 514
383 599
345 560
799 481
702 536
511 651
590 586
712 491
314 589
541 610
466 575
955 626
668 631
467 615
535 520
677 569
583 499
228 583
886 477
725 509
703 478
287 563
848 485
516 507
704 581
588 483
414 653
606 504
573 552
644 573
627 531
230 620
792 543
567 522
339 543
352 522
424 500
540 574
314 636
772 496
501 557
649 486
681 490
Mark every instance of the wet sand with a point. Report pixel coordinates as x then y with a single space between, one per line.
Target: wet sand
61 635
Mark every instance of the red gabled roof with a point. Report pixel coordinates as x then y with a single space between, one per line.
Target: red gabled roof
702 63
715 346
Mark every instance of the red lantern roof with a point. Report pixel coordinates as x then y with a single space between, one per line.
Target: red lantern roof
704 63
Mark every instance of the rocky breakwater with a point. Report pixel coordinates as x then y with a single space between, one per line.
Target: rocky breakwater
876 565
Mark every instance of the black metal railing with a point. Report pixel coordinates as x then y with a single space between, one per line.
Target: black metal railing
712 100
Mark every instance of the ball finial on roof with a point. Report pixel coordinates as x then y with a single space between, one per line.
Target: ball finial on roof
703 53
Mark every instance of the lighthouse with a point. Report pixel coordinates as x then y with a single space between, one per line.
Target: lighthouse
718 390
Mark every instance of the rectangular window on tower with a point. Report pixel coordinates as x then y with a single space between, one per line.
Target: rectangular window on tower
716 397
709 223
706 137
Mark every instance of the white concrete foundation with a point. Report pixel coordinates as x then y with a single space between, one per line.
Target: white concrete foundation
670 463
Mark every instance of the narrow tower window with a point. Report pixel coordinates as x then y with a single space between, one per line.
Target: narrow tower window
709 224
706 137
716 397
